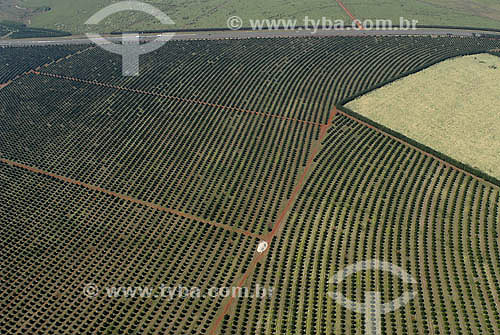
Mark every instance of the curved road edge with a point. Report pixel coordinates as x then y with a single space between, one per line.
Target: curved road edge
242 34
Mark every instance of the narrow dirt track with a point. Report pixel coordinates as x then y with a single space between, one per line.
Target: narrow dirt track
34 71
280 220
195 101
353 18
127 198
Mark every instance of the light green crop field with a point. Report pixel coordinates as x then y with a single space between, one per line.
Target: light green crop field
71 15
452 107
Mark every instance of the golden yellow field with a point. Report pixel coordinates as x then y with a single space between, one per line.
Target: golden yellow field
452 107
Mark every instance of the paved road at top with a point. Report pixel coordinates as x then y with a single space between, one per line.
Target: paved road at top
214 35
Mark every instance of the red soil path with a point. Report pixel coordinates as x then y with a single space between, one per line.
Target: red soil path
348 12
280 220
45 65
200 102
302 178
127 198
298 187
17 77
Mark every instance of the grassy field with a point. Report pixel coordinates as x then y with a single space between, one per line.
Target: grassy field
11 10
471 13
452 107
70 16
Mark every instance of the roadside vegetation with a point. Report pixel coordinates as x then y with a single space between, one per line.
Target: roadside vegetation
20 30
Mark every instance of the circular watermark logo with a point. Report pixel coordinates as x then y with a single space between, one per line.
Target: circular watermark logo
90 290
235 23
130 49
373 308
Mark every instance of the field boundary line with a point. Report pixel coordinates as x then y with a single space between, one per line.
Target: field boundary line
127 198
440 160
5 84
66 57
269 237
173 97
348 12
2 85
302 177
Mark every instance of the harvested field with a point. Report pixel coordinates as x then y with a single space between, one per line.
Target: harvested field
452 107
